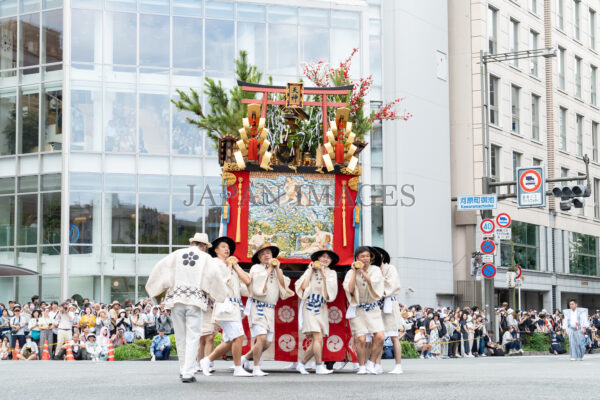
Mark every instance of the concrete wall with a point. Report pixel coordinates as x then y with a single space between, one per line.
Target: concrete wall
417 152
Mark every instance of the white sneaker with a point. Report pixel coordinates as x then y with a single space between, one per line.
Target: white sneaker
205 366
256 371
338 365
483 355
362 370
378 369
310 365
291 367
246 364
322 370
153 358
212 367
239 371
370 366
397 369
421 357
300 368
355 366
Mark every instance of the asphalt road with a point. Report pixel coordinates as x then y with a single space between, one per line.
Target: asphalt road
541 377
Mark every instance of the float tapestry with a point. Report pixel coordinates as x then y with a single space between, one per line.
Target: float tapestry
294 212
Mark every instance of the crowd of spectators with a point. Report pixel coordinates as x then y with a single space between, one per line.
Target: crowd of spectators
88 328
454 333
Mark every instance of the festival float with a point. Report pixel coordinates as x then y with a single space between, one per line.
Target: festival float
292 177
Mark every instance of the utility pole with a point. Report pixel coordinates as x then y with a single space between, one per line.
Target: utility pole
484 59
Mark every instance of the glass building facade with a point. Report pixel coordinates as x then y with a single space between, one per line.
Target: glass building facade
96 163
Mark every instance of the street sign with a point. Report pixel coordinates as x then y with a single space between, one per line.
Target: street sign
487 258
477 202
503 233
488 271
503 220
519 271
531 187
487 226
488 246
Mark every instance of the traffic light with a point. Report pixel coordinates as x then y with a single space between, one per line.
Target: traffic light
571 196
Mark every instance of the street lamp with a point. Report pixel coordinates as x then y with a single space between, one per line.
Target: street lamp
487 295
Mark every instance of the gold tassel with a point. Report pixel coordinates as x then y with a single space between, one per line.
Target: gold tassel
344 211
357 215
239 216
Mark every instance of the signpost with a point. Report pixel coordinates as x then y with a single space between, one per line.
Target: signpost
477 202
488 247
503 220
488 271
503 234
519 271
531 187
487 227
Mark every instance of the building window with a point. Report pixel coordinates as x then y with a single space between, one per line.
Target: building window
514 106
492 30
577 77
533 6
592 29
516 163
593 79
596 198
494 86
576 19
564 172
561 68
595 141
560 20
533 44
582 254
495 162
537 162
514 40
535 117
562 126
525 246
579 122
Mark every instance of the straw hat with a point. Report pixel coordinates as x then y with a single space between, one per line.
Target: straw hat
217 241
334 257
274 251
201 238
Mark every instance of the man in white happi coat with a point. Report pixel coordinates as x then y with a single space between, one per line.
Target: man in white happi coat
390 309
316 287
186 277
268 285
364 287
228 314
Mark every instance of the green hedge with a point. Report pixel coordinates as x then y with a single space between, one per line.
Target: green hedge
540 342
141 348
408 350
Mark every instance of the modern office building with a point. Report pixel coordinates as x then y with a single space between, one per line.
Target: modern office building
95 161
542 111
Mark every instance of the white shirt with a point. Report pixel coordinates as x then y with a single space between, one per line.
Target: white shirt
64 322
573 319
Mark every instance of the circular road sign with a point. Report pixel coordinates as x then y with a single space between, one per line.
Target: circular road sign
488 271
487 226
503 220
488 246
530 180
519 271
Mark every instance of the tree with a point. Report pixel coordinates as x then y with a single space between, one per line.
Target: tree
226 108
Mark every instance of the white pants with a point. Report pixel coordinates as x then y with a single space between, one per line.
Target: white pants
231 330
256 330
187 324
62 337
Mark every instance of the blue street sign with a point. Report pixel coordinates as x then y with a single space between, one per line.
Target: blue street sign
477 202
488 246
488 271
